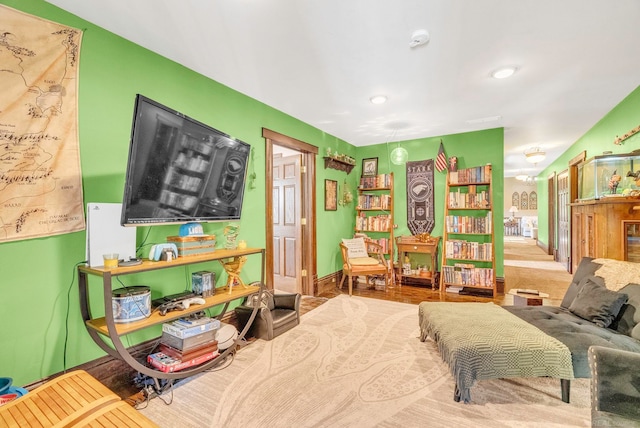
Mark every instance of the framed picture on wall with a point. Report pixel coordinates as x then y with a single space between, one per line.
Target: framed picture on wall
330 195
370 167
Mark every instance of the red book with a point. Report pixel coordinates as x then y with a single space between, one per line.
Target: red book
191 354
166 364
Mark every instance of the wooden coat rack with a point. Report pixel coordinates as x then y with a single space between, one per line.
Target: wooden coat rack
619 140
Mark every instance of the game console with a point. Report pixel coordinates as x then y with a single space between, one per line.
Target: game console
180 305
166 252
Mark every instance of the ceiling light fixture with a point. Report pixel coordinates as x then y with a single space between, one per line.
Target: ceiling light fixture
399 155
522 177
535 155
503 72
378 99
419 37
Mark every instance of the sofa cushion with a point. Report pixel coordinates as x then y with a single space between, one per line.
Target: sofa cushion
585 268
576 333
355 247
597 304
629 316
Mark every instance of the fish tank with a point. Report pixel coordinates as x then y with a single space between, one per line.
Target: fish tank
609 176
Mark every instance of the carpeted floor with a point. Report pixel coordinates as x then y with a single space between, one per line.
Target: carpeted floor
527 266
358 362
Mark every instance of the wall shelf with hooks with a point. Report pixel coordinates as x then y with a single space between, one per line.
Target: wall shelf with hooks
338 164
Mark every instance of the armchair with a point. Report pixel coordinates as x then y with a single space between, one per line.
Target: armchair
363 258
615 387
277 313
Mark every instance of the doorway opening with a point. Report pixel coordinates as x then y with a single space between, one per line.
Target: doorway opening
290 214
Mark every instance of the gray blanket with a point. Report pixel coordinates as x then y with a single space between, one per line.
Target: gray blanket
483 341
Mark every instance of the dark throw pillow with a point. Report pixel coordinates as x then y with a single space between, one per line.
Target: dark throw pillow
597 304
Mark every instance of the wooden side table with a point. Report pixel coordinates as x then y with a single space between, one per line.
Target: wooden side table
410 244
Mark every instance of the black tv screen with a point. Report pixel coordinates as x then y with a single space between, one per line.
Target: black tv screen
180 170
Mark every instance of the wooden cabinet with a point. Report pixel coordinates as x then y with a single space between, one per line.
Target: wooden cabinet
468 249
607 228
374 210
410 244
102 328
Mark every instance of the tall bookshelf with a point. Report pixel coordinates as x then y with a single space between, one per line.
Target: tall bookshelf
374 210
468 252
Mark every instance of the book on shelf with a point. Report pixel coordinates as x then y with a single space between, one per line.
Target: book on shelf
454 289
380 181
195 352
167 364
183 330
478 174
188 343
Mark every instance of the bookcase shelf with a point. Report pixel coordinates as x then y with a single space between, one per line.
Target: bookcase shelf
374 210
468 253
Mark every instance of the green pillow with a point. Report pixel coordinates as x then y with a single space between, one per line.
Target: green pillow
597 304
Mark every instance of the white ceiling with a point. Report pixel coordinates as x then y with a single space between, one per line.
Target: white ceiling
321 60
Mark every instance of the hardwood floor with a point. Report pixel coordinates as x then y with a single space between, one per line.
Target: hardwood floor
412 294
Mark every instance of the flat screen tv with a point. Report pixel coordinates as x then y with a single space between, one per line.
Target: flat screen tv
180 170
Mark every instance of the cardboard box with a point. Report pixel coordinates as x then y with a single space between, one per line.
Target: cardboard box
203 282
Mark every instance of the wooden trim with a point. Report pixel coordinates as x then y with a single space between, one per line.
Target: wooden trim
308 206
551 213
328 282
542 246
288 142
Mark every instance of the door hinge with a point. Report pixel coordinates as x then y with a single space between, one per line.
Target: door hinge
303 273
303 169
303 222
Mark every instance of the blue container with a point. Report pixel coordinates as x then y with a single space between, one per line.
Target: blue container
131 303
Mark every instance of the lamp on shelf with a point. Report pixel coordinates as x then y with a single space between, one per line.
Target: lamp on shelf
535 155
513 210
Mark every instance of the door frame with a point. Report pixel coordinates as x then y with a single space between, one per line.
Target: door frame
551 215
307 208
573 196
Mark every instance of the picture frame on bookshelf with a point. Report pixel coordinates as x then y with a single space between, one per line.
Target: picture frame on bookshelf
369 167
330 195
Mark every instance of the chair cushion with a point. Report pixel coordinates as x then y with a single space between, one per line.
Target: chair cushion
355 248
597 304
364 261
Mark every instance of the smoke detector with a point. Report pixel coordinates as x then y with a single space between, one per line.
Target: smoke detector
419 37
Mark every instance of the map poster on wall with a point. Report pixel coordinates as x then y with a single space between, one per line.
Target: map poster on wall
40 178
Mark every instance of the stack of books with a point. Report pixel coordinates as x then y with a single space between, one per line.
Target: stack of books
186 343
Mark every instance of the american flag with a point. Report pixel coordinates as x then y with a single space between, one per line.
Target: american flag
441 159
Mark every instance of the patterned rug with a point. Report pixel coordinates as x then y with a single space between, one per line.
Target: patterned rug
358 362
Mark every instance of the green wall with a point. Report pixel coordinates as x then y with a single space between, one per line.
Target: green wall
472 149
39 285
620 120
41 328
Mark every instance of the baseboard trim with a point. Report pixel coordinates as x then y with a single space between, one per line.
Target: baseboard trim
328 283
544 247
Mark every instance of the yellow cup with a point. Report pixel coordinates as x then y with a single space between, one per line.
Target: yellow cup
242 245
110 260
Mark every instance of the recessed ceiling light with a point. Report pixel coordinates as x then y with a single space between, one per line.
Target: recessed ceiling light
503 73
378 99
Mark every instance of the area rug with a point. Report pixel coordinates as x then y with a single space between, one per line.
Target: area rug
358 362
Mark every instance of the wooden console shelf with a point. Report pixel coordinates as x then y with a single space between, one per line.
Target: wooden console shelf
221 297
107 334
